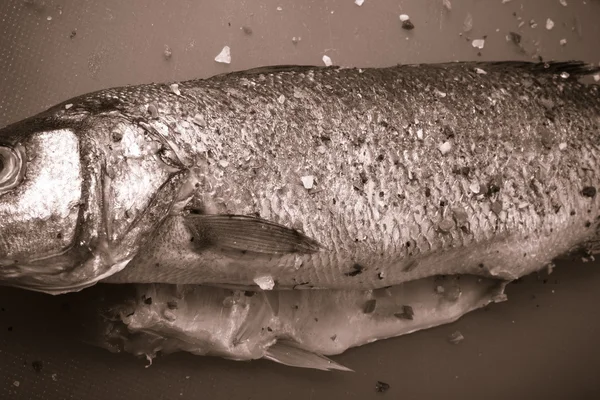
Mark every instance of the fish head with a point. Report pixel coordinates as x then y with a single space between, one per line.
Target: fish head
78 197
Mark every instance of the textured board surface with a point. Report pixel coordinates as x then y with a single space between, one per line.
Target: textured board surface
539 344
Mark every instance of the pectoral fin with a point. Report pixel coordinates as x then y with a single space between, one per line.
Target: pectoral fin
247 234
288 353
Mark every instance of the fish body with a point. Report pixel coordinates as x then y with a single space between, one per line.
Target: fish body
308 177
293 327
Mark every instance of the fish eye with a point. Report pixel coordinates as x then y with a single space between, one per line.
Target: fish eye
11 168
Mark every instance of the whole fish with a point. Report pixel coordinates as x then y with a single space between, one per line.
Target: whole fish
305 177
293 327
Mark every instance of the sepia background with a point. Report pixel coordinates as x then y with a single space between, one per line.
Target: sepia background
541 343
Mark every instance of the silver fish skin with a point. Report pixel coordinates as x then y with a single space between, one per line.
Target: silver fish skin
308 177
298 328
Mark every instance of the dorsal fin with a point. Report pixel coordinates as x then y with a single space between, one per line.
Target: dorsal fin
573 68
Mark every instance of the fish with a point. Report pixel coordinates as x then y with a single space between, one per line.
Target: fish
302 177
298 328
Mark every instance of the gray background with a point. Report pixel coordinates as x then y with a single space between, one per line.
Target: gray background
542 342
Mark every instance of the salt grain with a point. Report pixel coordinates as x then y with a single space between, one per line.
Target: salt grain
478 43
67 106
549 24
265 282
480 71
475 188
563 2
327 61
597 77
404 17
308 181
224 56
420 134
175 89
563 42
447 4
359 2
445 147
562 146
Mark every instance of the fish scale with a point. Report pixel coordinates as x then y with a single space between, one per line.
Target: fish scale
240 143
484 112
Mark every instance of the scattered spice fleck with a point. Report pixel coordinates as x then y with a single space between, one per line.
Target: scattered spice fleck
456 337
563 2
224 57
37 366
408 25
588 191
381 387
16 383
357 269
420 134
247 30
439 289
564 75
497 207
224 163
597 77
153 111
369 306
407 313
308 181
514 37
73 34
172 305
563 42
295 39
54 377
281 99
532 24
327 61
